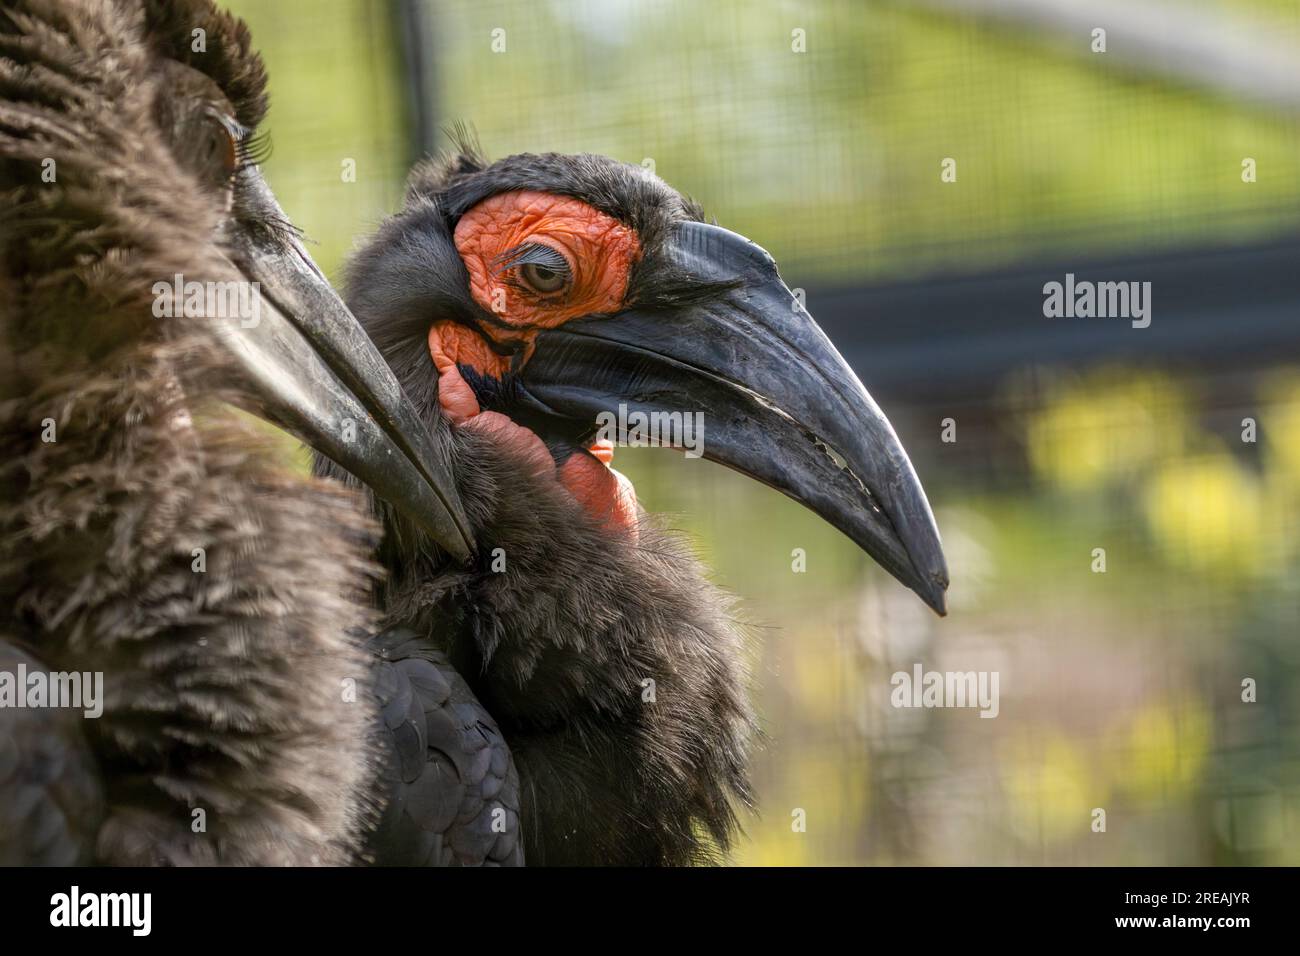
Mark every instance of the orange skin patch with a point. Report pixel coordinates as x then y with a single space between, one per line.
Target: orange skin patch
600 252
604 493
452 344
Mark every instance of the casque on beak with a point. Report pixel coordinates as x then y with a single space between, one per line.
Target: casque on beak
780 404
317 374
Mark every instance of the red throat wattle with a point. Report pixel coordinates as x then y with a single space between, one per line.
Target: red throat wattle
599 253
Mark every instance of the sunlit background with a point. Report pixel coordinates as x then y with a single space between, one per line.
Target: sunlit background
1120 690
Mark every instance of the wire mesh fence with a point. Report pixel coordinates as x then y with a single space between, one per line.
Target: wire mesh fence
1122 535
823 127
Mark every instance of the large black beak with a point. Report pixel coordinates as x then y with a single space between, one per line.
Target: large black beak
779 402
315 372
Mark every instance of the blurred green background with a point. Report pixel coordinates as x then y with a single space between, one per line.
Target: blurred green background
1120 690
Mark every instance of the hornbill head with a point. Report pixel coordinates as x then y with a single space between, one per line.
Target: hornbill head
554 293
136 123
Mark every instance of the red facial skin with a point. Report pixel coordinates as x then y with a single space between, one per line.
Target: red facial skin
599 249
600 252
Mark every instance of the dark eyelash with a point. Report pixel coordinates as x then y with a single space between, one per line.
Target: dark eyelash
284 230
532 253
252 149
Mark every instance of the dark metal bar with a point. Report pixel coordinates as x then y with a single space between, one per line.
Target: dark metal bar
1213 307
413 27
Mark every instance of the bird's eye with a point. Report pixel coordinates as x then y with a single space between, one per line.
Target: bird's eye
541 279
538 267
219 149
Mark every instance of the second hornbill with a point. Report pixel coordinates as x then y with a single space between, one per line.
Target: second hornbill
518 302
152 542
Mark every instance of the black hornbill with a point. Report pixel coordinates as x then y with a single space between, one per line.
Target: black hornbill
525 601
152 542
519 303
